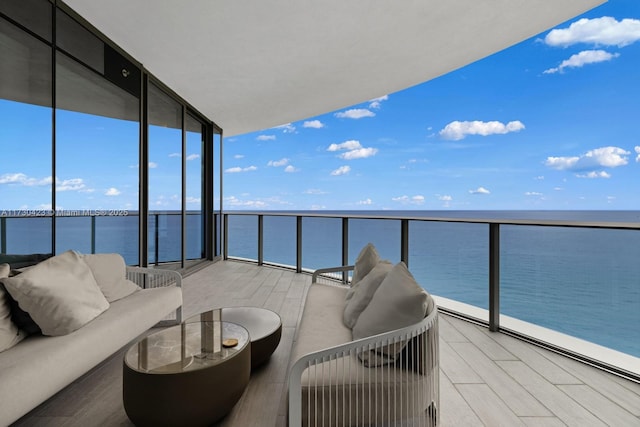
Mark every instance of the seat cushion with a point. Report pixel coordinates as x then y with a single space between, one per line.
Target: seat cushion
321 322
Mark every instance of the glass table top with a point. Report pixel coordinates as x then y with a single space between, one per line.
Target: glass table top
193 345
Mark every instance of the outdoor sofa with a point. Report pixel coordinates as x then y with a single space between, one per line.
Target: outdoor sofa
366 349
84 308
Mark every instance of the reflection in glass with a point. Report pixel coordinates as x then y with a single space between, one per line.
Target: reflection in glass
165 177
194 191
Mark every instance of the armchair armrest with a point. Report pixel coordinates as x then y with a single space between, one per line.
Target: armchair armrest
332 274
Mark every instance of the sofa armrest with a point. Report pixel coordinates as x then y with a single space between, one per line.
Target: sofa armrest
329 376
148 278
332 274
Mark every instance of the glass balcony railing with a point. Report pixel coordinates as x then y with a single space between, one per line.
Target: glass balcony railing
100 232
573 286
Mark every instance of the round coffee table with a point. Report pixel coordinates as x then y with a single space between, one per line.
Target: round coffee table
183 375
264 326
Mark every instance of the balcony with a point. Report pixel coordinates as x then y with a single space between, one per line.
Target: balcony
486 378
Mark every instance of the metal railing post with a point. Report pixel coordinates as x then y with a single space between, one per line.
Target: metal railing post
494 277
93 234
404 241
345 247
260 239
3 235
225 236
298 244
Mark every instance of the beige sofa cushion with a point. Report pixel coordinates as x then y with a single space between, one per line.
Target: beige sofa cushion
60 294
110 272
366 260
363 292
399 302
10 335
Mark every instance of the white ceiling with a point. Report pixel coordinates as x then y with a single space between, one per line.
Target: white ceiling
251 65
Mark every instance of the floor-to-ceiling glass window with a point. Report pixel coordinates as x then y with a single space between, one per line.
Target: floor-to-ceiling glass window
194 174
25 130
97 145
71 139
165 177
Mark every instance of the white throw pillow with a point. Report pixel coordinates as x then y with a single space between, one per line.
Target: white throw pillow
399 302
60 294
366 260
10 335
109 270
364 291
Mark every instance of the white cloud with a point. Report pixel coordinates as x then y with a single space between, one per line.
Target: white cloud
605 31
457 130
175 155
609 157
153 165
266 138
347 145
314 191
539 178
355 150
355 113
72 184
406 200
112 192
365 202
594 174
314 124
278 163
193 156
445 198
21 178
376 103
342 170
238 169
533 193
286 128
234 201
360 153
291 169
239 156
637 150
193 200
480 190
581 59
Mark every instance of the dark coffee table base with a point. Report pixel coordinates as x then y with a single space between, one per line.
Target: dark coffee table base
197 398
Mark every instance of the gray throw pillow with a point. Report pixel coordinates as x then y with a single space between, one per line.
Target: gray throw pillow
10 335
60 294
110 271
363 292
366 260
399 302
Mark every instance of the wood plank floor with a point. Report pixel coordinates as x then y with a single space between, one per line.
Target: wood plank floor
487 379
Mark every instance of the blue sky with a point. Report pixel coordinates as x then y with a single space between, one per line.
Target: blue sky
551 123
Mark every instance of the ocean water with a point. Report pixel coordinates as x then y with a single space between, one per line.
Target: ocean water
579 281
